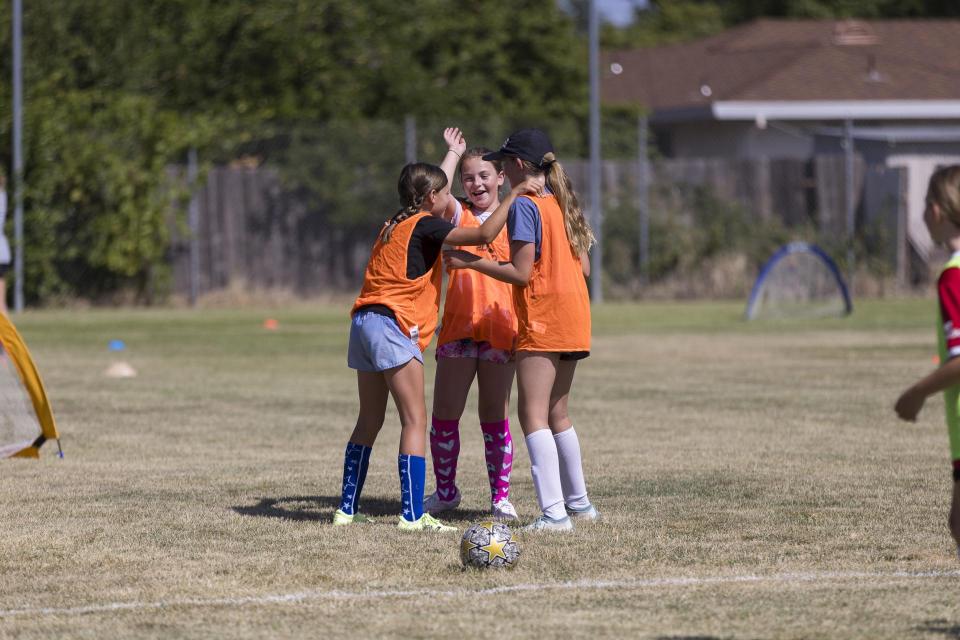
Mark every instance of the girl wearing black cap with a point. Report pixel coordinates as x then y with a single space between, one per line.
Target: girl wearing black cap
549 241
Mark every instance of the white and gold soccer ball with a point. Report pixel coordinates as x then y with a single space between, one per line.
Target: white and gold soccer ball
489 544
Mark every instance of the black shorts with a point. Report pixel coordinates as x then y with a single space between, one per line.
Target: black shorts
4 270
574 355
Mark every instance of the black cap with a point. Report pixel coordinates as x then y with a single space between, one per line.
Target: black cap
526 144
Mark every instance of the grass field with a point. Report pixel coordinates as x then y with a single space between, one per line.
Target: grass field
753 478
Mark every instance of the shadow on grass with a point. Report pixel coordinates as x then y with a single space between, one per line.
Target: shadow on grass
312 508
942 627
321 508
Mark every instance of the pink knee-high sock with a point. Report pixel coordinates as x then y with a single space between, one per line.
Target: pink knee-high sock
445 449
498 447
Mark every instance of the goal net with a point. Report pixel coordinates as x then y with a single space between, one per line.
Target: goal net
798 281
19 426
26 420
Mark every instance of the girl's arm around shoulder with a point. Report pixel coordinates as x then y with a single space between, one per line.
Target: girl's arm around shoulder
488 231
585 264
517 271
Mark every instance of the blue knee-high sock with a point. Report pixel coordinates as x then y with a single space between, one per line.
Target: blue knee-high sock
413 474
355 461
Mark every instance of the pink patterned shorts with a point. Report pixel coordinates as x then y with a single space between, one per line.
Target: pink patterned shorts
467 348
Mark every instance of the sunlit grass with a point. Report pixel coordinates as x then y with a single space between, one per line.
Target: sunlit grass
713 446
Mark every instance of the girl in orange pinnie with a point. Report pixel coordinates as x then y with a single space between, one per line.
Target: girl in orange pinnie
477 337
549 240
393 320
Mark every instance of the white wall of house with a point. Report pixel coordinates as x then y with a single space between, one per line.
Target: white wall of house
919 169
802 140
794 139
737 140
778 140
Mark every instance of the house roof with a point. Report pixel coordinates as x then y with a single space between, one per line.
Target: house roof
820 62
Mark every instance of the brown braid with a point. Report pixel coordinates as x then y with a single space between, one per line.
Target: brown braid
417 180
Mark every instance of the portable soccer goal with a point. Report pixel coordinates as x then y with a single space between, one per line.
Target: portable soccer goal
799 280
26 420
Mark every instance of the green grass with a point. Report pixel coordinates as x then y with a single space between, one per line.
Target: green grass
714 447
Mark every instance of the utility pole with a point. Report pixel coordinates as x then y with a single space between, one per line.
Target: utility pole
596 265
849 193
410 138
18 155
643 197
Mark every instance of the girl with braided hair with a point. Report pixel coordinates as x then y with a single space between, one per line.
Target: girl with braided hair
393 320
549 240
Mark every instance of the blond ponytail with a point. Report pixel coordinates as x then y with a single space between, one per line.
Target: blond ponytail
578 229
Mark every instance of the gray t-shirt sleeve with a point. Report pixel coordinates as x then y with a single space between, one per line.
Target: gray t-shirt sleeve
523 223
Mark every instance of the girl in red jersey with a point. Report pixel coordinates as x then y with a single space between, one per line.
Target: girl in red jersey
549 240
393 320
478 332
942 217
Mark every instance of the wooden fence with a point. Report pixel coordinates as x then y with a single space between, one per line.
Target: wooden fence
254 233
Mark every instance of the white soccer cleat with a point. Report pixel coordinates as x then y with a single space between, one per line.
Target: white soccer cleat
433 503
544 523
503 510
587 514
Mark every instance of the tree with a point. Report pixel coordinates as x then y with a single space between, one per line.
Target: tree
667 21
116 91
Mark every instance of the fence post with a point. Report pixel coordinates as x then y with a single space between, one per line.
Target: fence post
643 196
410 138
193 221
849 187
903 265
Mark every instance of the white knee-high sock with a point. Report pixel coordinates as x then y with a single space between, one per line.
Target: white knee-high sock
571 469
545 467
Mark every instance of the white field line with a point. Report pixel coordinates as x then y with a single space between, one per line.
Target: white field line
336 594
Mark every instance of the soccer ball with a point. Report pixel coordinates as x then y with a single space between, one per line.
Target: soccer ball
489 544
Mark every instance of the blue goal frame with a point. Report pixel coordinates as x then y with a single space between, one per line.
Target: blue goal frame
786 250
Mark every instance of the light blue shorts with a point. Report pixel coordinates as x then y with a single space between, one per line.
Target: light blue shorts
377 343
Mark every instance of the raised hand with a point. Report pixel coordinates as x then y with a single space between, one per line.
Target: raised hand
455 140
